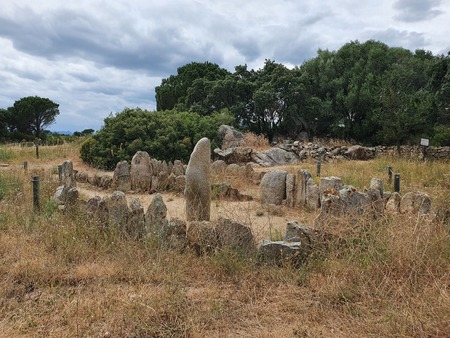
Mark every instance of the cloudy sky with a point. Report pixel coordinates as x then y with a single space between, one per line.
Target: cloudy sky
97 57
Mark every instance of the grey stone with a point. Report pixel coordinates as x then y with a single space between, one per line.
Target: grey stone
234 155
376 183
117 210
329 183
393 203
358 152
415 202
282 252
273 187
141 171
68 175
312 195
202 236
198 187
178 168
136 219
155 217
230 137
274 156
290 190
121 177
234 235
299 233
180 183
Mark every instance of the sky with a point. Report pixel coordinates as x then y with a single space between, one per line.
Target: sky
95 58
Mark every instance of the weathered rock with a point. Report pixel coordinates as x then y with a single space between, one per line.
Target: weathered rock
141 171
117 210
329 183
219 167
299 233
376 183
163 181
312 195
376 200
290 190
174 235
393 203
224 191
178 168
155 217
96 206
415 202
230 137
180 183
65 195
82 177
105 182
121 177
68 175
282 252
273 187
198 187
236 155
234 235
202 236
274 156
358 152
136 219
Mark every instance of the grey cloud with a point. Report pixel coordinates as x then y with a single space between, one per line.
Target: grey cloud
417 10
396 38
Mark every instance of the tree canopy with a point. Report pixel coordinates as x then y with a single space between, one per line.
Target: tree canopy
30 115
367 92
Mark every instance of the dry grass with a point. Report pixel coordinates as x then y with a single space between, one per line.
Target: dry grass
62 276
256 142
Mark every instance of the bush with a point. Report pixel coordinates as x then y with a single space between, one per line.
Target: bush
441 136
165 135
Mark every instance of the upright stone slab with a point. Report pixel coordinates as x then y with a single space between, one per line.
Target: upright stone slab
198 187
329 183
273 187
155 217
290 190
393 203
136 219
415 202
121 177
117 210
301 177
376 183
178 168
141 171
312 195
68 175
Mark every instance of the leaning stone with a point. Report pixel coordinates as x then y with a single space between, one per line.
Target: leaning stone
282 252
299 233
198 187
273 187
234 235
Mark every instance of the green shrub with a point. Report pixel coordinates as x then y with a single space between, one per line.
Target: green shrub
165 135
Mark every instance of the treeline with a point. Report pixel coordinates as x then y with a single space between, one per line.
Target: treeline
366 92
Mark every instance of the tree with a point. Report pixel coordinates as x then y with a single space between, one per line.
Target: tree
30 115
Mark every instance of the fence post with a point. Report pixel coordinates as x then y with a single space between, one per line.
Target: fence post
35 181
390 174
318 168
25 166
397 183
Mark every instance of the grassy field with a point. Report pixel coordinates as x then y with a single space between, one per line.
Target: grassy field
63 276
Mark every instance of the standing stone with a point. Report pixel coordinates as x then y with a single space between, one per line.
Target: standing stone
376 183
393 203
301 177
198 186
155 217
117 210
178 168
273 187
136 219
415 202
234 235
290 192
312 195
121 177
330 183
141 171
68 175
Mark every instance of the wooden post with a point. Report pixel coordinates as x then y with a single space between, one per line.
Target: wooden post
397 183
37 150
318 168
35 181
25 166
390 175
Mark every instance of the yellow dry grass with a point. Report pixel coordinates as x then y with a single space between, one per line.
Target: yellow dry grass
62 276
